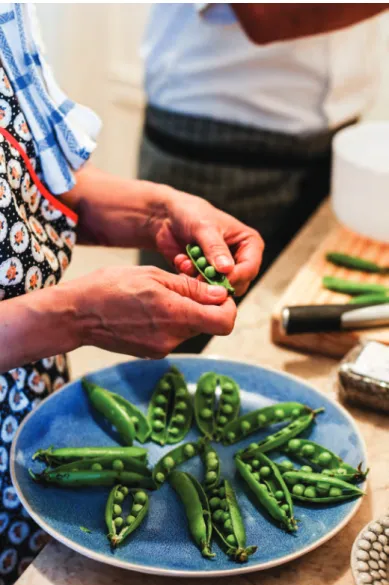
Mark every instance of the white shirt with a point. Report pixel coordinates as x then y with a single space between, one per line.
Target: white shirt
200 62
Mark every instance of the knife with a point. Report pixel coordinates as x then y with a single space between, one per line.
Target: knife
321 318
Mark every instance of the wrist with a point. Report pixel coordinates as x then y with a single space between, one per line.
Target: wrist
158 201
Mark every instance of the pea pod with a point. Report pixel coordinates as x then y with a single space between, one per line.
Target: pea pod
211 463
170 409
54 456
370 299
105 403
172 459
73 479
355 263
139 420
351 287
196 508
209 273
228 524
253 421
110 462
266 482
316 489
212 418
272 442
322 459
118 527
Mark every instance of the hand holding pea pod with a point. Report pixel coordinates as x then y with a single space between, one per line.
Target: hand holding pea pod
209 419
318 489
172 459
118 527
196 508
209 273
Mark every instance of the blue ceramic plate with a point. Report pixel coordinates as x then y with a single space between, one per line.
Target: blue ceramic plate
162 544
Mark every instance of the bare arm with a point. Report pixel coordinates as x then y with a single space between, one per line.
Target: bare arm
270 23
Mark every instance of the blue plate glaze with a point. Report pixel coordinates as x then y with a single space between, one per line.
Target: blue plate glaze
162 544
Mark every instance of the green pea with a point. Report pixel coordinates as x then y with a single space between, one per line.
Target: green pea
227 409
286 465
189 450
179 419
210 272
285 507
341 471
181 393
196 252
326 472
201 262
226 516
228 387
168 463
217 515
119 497
207 390
291 480
118 522
136 508
310 492
322 487
130 520
308 450
181 406
296 412
124 490
294 444
140 498
210 476
159 412
213 464
279 413
214 503
223 420
255 464
261 419
96 467
231 436
211 455
231 540
160 477
158 425
222 492
335 492
228 525
161 399
256 476
279 494
164 385
117 465
306 469
117 510
223 504
174 431
298 489
206 413
245 426
249 467
265 471
253 446
324 458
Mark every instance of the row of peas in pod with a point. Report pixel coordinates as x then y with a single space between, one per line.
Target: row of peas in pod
311 474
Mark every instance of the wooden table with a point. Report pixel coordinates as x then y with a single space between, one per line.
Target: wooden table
328 565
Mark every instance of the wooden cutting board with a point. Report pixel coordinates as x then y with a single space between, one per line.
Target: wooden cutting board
306 289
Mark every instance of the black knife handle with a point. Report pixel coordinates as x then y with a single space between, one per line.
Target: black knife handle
315 318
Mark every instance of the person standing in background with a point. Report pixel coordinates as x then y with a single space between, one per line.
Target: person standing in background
243 101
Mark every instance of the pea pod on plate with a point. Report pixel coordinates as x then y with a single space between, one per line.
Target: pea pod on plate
228 523
196 508
266 482
170 409
318 489
209 273
211 462
120 528
172 459
322 459
53 456
253 421
211 418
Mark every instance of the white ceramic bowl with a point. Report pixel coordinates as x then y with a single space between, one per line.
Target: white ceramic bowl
360 179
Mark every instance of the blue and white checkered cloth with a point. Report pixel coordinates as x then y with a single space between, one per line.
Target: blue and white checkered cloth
64 132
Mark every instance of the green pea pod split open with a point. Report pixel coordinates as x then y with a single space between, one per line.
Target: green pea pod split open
211 418
208 272
120 528
211 462
139 420
322 459
62 455
196 508
110 462
172 460
314 488
105 403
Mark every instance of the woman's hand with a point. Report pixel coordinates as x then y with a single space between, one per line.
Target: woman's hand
146 312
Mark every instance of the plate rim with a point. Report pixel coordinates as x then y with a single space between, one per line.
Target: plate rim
237 570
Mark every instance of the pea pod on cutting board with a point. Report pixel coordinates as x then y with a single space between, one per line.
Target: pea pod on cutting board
322 459
209 273
370 299
318 489
196 508
253 421
62 455
352 287
105 404
276 440
211 462
266 482
211 418
172 459
355 263
170 409
228 524
118 527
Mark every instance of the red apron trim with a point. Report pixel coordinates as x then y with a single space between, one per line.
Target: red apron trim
42 189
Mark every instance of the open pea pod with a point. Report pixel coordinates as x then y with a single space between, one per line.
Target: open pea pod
208 272
253 421
314 488
139 420
120 528
54 457
267 484
125 463
322 459
170 410
172 460
196 508
211 418
276 440
211 462
228 523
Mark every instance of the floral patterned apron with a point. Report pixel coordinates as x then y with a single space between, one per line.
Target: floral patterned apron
37 234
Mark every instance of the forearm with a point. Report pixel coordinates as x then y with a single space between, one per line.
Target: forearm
269 23
39 324
114 211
